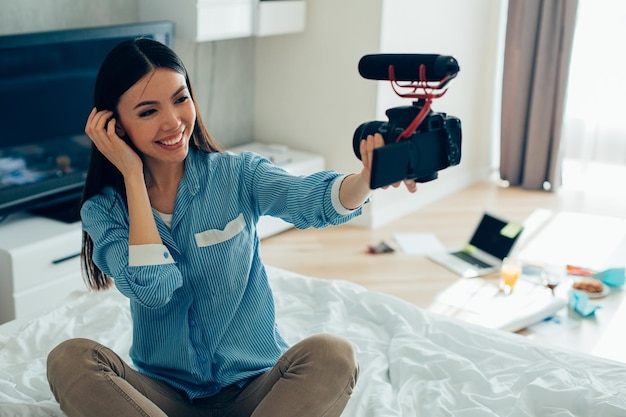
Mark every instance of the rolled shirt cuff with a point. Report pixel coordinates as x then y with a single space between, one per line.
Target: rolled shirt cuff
150 254
334 194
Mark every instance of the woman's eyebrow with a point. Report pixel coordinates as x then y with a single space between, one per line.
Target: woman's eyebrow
153 102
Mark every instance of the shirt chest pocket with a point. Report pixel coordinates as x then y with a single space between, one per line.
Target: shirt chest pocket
221 255
214 236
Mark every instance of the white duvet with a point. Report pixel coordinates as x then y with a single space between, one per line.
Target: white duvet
413 363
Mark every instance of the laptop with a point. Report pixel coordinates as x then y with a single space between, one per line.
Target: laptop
491 242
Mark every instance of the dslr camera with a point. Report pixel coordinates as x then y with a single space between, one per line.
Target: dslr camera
418 141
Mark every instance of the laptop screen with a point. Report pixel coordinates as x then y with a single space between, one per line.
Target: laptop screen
495 236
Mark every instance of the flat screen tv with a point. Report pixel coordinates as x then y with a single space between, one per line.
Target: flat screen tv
46 93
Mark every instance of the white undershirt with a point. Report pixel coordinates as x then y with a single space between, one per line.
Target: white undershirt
167 218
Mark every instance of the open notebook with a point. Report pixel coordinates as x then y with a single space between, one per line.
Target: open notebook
491 242
479 301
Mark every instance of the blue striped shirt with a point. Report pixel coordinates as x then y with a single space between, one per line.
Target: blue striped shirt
202 309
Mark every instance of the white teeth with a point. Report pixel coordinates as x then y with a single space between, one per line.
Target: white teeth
173 141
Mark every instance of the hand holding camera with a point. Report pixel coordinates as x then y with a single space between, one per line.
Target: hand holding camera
366 150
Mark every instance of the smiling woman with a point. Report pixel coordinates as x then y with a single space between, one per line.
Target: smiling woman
205 339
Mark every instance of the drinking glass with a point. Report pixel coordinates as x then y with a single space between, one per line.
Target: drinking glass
510 271
551 276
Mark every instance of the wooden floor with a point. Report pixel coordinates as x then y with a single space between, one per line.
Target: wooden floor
341 252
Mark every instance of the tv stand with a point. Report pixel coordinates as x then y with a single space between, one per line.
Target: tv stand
39 265
67 211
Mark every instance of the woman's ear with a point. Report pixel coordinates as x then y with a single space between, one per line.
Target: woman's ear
119 130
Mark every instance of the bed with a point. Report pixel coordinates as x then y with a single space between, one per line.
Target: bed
413 362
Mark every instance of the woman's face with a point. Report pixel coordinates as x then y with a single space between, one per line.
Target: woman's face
158 115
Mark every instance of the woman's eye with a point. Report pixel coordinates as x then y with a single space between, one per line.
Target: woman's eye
147 113
182 99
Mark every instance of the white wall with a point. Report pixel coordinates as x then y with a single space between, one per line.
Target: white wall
310 96
308 93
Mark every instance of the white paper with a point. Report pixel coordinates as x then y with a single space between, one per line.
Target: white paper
419 243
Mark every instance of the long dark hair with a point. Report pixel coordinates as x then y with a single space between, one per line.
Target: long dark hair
126 64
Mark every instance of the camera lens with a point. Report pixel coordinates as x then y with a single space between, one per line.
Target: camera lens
363 131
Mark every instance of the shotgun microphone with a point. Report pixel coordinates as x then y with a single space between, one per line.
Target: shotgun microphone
407 67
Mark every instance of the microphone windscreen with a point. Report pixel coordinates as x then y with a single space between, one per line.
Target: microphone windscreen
407 66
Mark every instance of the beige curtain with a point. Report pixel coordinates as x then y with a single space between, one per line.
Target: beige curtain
538 46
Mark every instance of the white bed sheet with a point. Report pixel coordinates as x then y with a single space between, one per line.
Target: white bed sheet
413 363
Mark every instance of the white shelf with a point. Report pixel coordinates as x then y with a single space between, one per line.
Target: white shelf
280 17
202 20
211 20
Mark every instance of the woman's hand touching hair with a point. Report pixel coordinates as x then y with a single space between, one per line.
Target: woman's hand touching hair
102 129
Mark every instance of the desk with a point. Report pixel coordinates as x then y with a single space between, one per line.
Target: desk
565 238
598 242
601 334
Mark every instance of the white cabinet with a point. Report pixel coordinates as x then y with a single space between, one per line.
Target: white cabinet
39 265
296 162
211 20
202 20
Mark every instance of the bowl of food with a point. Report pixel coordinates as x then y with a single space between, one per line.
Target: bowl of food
594 288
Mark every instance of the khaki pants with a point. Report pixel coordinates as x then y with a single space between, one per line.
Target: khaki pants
315 377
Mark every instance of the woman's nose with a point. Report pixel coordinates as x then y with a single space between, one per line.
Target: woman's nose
171 120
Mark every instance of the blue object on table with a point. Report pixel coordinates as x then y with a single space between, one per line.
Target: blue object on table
579 302
613 277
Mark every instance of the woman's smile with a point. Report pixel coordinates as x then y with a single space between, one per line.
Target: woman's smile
172 140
